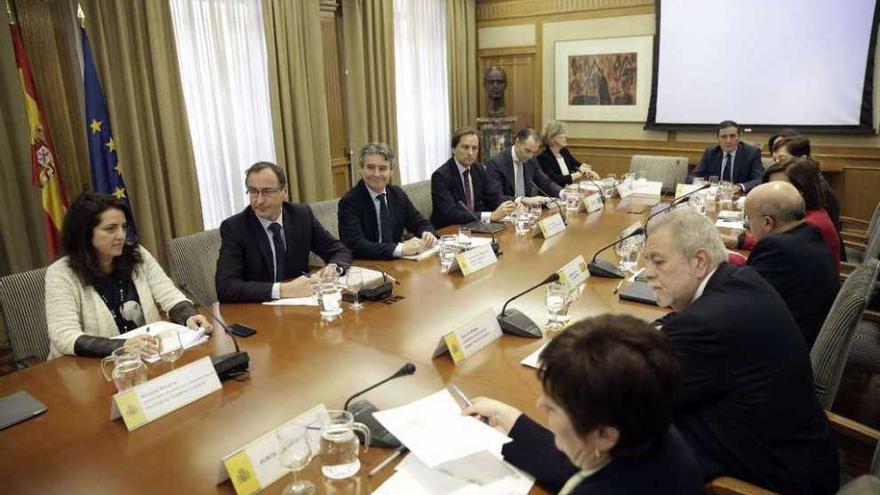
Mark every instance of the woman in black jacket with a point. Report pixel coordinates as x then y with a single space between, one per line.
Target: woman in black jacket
556 161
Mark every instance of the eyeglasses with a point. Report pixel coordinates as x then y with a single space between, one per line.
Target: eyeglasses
256 193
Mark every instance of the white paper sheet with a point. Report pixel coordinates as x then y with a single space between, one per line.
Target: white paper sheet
294 301
479 474
724 224
188 337
475 241
435 431
532 359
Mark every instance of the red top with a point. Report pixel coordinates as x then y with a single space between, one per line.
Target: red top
818 218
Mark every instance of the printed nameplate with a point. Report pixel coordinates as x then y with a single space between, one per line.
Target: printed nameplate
474 260
469 338
682 189
164 394
255 466
624 189
575 272
593 202
551 225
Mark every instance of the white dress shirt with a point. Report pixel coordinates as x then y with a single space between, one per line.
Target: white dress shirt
398 250
485 216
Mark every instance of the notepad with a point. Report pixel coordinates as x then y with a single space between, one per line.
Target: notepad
475 241
188 337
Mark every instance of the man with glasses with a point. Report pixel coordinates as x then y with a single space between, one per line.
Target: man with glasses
791 255
731 160
264 250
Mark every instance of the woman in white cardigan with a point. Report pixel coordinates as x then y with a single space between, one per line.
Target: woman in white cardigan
105 286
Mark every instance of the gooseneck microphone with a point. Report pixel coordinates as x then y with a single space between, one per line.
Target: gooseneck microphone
363 410
515 322
602 268
231 364
598 188
552 200
495 246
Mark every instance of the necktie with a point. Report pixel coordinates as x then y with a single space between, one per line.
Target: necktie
727 165
275 228
385 234
519 185
468 199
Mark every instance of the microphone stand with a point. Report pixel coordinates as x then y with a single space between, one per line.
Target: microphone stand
515 322
495 246
363 410
231 364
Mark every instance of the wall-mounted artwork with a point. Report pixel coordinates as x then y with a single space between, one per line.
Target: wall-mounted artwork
605 79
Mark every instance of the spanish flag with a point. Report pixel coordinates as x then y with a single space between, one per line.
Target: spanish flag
43 162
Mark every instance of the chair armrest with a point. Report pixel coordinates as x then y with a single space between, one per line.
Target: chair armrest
853 429
725 485
871 315
858 222
856 444
860 243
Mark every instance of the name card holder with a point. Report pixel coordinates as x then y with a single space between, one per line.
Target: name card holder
624 189
475 259
164 394
593 202
466 340
255 466
574 273
551 225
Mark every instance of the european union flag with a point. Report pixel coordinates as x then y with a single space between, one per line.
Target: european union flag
106 174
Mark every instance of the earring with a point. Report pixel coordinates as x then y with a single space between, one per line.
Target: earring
597 454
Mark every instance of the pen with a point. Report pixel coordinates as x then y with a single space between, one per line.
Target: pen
467 402
617 287
394 455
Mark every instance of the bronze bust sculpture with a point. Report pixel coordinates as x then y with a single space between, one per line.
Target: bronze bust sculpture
495 82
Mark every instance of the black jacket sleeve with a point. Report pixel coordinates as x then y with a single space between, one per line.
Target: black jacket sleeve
534 451
544 182
756 168
495 182
446 211
548 164
230 282
699 353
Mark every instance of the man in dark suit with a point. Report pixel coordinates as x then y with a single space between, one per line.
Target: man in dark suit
514 172
373 213
746 403
269 242
791 255
462 179
731 160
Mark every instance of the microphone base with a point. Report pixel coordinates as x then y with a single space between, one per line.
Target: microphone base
363 410
230 365
515 322
496 247
377 293
606 269
485 227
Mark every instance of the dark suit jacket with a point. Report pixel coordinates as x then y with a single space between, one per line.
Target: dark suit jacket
447 190
746 403
798 264
244 268
359 227
499 170
747 167
550 166
673 470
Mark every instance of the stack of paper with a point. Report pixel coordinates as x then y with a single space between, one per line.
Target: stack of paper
451 453
475 242
188 337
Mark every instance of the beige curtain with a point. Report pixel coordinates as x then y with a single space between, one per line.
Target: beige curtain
298 97
461 48
134 50
368 34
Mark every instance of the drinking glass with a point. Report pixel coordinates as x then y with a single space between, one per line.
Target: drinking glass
610 184
339 445
329 299
170 346
464 236
699 181
698 203
535 211
523 222
295 453
448 249
558 301
713 179
127 368
355 282
572 199
643 175
629 254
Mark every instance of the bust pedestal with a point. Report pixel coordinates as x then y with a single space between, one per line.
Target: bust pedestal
496 134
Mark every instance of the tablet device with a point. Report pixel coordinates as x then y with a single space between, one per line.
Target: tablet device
18 407
638 292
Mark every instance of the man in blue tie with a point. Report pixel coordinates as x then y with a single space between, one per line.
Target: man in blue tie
731 160
264 249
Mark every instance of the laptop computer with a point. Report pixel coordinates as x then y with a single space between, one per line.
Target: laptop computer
18 407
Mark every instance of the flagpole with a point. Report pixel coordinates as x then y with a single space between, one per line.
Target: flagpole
10 12
80 15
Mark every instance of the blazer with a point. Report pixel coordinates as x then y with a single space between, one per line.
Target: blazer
359 226
499 170
74 309
447 189
673 470
798 264
550 166
747 167
245 266
746 403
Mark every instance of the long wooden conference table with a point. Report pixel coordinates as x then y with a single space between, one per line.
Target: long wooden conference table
298 361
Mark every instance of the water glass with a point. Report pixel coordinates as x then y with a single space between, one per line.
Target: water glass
464 236
447 252
698 203
713 179
643 175
699 181
170 346
572 199
610 184
629 254
558 301
355 282
295 453
535 211
329 299
523 222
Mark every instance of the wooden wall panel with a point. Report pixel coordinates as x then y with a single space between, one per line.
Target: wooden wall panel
521 96
335 90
